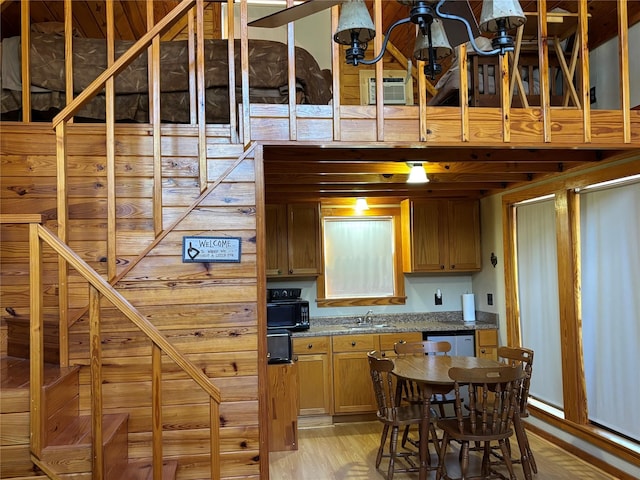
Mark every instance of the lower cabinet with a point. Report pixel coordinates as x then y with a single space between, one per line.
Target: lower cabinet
352 387
333 371
314 374
487 344
283 407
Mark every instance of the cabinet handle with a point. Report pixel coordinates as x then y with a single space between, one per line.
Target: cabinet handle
482 350
310 345
384 354
353 344
291 271
441 267
452 267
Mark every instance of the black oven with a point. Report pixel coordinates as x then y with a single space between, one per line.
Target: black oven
286 310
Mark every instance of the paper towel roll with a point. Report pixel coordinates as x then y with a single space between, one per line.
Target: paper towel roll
468 307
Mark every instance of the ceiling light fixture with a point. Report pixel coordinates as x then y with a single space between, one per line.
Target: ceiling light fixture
356 29
417 174
361 205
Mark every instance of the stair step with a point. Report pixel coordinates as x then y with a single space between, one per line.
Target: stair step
70 451
18 333
14 382
141 470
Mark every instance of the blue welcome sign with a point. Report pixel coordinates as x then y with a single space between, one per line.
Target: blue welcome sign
211 249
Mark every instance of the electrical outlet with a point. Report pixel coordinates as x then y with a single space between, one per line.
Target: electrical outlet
489 298
438 299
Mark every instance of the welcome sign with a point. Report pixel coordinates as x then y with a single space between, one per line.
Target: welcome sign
210 249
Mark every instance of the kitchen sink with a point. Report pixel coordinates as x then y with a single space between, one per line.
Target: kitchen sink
368 326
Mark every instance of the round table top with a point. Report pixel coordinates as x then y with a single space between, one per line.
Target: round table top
434 369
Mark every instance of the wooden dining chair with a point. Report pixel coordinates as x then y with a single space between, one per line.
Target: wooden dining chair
411 391
493 399
393 415
515 356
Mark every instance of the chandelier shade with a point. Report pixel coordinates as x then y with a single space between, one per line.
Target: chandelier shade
354 20
495 12
439 41
417 174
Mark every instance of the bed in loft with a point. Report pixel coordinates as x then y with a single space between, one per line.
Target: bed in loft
267 78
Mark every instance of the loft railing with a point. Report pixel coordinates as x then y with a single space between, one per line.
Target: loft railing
99 289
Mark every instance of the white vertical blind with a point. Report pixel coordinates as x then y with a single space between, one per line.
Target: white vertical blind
359 253
538 295
609 233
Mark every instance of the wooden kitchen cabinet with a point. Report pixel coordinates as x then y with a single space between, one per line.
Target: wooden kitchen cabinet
441 235
352 387
487 344
388 340
314 375
283 407
293 239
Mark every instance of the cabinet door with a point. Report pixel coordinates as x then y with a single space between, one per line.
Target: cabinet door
304 238
315 384
352 386
276 239
464 235
487 344
283 406
428 236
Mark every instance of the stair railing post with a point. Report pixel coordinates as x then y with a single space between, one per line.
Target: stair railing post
156 405
96 382
36 341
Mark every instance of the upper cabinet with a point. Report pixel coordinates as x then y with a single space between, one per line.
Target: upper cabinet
293 239
441 235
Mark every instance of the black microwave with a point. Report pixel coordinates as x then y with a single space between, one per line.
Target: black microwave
290 314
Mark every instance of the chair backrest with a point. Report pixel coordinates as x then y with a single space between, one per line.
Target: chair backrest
520 356
384 383
426 347
493 397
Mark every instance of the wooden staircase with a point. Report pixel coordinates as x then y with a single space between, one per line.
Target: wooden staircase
67 447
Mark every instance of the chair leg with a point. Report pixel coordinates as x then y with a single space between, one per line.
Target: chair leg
464 459
405 436
383 440
442 469
507 459
393 444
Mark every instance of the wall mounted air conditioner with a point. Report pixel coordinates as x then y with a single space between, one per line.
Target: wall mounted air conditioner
397 89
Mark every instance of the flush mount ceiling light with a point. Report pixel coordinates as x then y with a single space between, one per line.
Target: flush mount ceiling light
356 29
417 174
361 205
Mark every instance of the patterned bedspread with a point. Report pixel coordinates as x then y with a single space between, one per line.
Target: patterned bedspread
267 77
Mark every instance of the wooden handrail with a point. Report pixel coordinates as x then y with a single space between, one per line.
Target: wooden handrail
20 218
123 61
122 304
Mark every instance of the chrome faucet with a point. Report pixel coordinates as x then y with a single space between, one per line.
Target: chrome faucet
368 317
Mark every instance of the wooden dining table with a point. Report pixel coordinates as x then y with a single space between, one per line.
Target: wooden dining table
431 372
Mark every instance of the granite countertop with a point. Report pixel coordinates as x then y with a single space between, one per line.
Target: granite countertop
393 323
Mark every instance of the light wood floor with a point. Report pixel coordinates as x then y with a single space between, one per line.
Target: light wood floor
348 451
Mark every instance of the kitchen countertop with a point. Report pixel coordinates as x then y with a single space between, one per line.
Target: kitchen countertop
394 323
